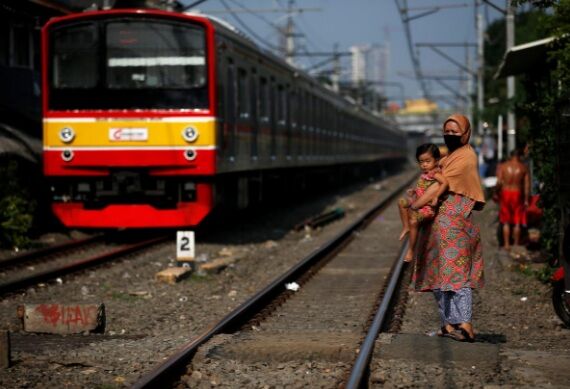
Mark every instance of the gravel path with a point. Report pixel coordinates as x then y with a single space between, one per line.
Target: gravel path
146 320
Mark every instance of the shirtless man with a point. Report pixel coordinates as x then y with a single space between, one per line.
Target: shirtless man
513 183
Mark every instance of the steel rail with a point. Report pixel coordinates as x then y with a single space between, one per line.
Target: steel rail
361 365
13 285
169 370
31 255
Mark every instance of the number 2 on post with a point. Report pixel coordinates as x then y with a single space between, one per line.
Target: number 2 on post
185 245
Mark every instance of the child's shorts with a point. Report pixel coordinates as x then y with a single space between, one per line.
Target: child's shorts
426 212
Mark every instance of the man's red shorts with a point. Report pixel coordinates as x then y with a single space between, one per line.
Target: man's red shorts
511 210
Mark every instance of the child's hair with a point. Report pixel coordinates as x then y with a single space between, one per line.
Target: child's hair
427 148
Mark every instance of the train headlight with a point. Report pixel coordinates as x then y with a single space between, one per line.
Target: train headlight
67 155
66 134
190 134
190 154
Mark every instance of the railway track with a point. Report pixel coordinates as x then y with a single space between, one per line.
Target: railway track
346 289
46 264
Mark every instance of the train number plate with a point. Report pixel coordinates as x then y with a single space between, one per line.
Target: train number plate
128 134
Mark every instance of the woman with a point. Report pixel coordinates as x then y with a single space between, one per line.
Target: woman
449 260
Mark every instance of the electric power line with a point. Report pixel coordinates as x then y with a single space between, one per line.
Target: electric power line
248 30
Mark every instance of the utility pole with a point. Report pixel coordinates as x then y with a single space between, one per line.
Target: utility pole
511 130
336 69
480 67
289 35
469 85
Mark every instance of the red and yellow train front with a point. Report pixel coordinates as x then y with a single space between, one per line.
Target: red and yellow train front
129 121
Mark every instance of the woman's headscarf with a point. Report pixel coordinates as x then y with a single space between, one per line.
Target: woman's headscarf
460 166
464 126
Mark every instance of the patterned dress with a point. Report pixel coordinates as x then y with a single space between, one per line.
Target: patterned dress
449 249
425 181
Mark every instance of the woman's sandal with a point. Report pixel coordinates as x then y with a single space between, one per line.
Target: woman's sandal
442 331
455 335
466 336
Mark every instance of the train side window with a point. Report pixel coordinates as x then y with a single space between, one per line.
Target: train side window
264 102
243 100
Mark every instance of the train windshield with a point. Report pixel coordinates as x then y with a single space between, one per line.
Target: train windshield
129 64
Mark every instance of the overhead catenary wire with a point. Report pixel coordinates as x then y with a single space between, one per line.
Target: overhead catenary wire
249 30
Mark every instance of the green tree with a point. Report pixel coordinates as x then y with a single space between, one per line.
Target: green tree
530 26
546 97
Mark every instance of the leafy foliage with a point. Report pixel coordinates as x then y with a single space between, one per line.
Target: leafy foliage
530 26
547 93
16 206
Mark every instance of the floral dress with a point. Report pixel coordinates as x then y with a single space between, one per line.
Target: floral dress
449 249
425 181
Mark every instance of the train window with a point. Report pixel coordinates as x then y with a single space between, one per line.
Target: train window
155 55
243 99
75 57
135 63
264 99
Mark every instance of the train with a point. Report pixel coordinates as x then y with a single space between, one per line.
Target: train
152 118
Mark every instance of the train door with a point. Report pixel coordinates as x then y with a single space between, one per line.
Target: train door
301 125
281 121
313 128
244 123
230 120
273 117
254 120
293 123
264 138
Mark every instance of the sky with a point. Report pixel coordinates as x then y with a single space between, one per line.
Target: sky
362 22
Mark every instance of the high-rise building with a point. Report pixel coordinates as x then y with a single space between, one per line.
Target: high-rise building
358 73
377 65
369 63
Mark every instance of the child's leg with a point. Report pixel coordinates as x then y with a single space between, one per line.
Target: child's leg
403 206
413 223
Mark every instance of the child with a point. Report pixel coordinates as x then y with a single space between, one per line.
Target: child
419 205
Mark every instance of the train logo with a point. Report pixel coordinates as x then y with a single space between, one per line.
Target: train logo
128 134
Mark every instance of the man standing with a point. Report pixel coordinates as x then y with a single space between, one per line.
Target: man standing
513 183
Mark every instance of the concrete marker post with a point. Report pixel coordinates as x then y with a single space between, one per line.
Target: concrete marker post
186 249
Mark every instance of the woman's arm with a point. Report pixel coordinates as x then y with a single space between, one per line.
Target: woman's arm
433 192
443 186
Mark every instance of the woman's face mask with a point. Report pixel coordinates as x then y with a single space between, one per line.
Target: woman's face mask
452 142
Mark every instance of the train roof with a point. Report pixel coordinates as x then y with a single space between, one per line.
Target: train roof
231 30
